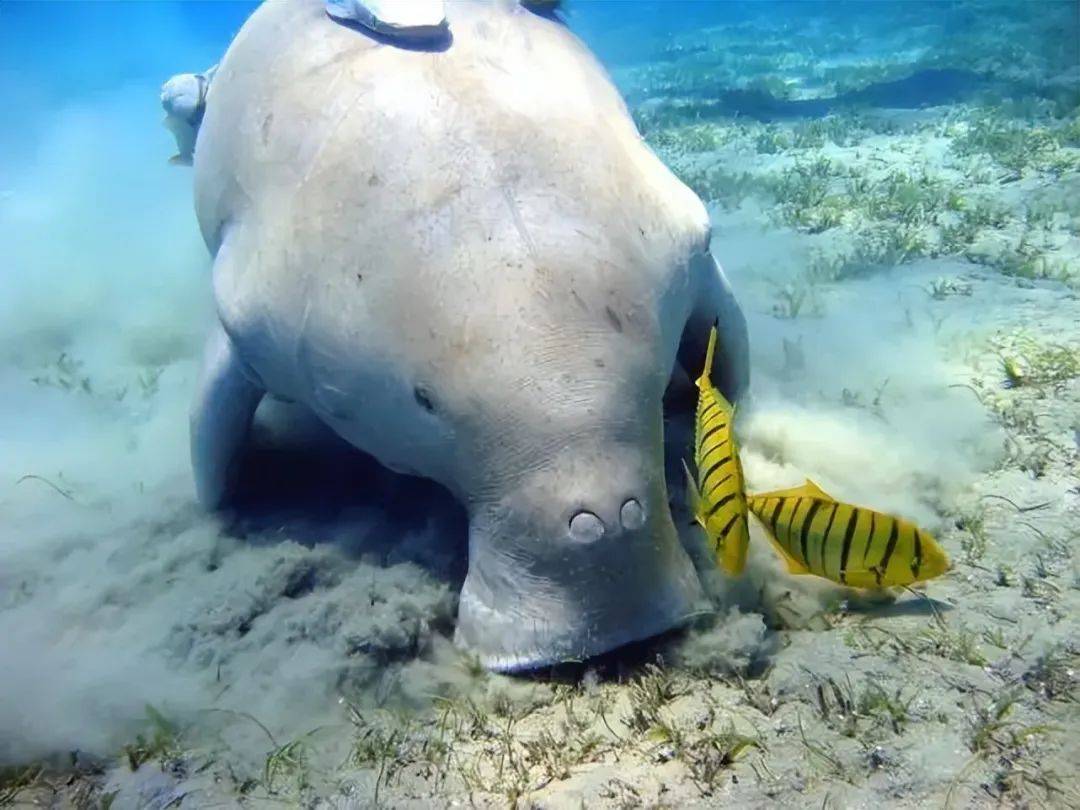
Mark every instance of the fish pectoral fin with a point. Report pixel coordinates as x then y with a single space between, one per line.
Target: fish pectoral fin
693 497
793 565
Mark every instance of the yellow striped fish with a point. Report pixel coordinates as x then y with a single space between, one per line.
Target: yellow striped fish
717 499
847 544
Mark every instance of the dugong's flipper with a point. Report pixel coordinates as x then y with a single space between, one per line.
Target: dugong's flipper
225 401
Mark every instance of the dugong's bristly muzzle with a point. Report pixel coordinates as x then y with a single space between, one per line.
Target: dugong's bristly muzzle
601 569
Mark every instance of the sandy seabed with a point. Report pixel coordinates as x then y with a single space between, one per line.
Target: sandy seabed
897 203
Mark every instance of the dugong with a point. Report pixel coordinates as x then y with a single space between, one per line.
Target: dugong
466 262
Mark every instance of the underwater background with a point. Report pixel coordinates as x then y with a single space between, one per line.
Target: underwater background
894 189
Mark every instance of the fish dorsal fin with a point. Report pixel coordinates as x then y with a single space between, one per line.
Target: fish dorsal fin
812 490
705 381
807 490
793 566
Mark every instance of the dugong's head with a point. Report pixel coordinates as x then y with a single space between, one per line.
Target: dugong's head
554 398
575 553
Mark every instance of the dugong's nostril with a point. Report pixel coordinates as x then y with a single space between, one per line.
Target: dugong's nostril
632 515
585 527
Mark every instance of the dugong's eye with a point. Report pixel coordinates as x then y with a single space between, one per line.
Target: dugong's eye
424 398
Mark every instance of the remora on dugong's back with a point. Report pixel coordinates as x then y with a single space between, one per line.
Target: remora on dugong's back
469 265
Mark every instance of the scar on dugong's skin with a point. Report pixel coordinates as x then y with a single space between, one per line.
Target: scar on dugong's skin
469 265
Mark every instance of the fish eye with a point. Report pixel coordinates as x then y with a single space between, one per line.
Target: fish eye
424 398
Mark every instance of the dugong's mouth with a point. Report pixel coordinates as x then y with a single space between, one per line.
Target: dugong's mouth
516 616
520 639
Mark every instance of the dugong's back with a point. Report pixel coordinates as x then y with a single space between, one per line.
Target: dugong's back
504 150
302 101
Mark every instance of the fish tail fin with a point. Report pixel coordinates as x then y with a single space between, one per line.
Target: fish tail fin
705 381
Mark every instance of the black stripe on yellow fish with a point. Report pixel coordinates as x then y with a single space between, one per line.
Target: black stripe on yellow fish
865 526
787 519
720 504
712 450
794 529
849 533
808 520
709 407
712 431
776 511
718 484
916 559
833 509
828 560
727 527
710 421
716 465
883 566
864 560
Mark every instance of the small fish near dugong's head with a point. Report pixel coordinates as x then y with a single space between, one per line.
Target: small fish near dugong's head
467 262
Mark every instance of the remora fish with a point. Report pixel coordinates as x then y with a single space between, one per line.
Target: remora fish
717 498
847 544
183 98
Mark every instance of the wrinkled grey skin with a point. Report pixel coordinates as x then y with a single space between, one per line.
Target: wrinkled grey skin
468 264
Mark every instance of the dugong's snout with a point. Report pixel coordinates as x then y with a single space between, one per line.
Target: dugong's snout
572 563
